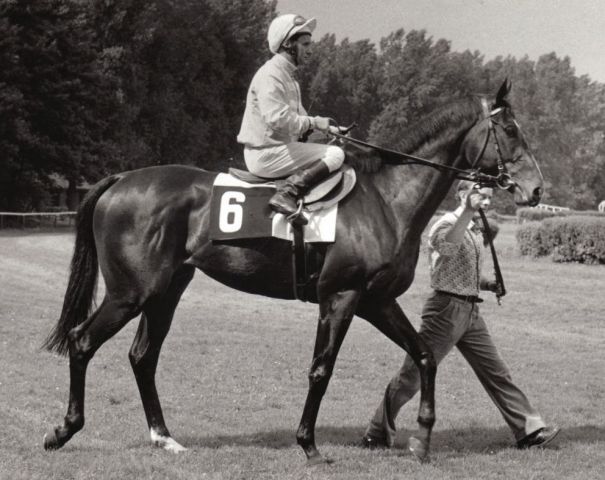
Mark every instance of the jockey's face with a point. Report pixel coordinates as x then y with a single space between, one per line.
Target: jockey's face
301 49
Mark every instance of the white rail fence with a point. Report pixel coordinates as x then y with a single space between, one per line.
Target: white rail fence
551 208
36 219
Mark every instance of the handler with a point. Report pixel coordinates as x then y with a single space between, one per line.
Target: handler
275 120
451 318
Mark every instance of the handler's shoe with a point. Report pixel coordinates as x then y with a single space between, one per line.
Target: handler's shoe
540 438
373 443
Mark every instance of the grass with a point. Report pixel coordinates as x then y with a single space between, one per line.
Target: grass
232 377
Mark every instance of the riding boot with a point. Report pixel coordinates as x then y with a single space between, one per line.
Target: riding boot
295 187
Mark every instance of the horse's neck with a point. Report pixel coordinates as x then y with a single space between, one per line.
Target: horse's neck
415 192
419 191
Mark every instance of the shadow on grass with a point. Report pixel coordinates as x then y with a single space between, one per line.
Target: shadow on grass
477 440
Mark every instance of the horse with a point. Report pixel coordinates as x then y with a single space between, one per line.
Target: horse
601 207
147 232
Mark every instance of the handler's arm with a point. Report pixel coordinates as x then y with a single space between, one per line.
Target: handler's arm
456 232
471 205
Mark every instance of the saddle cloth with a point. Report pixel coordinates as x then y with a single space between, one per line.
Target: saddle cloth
240 210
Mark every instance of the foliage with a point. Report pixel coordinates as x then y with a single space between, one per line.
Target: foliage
530 239
93 87
536 214
342 82
573 238
56 102
185 67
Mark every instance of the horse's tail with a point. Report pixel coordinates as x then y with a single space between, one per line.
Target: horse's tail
82 283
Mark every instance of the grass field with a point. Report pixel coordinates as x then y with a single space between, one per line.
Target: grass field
233 380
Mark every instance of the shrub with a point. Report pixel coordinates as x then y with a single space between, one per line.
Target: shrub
578 239
531 240
588 213
574 238
535 214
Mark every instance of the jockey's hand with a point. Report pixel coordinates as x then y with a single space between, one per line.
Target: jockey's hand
334 129
322 124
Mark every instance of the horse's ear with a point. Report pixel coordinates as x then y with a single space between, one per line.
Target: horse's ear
503 91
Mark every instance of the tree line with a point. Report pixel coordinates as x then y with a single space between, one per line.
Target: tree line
91 87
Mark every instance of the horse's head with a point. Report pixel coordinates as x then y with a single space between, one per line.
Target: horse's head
496 145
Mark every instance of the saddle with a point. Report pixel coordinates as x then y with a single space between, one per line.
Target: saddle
323 195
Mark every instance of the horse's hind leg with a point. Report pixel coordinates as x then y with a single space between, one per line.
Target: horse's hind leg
144 353
390 320
335 317
84 341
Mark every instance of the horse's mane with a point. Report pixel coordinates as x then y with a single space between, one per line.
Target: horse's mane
428 129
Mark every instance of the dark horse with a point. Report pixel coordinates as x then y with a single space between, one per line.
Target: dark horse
148 232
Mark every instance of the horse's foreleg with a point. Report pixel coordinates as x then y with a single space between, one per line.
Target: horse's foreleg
335 317
390 320
84 341
144 353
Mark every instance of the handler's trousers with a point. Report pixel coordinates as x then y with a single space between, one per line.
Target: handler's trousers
449 322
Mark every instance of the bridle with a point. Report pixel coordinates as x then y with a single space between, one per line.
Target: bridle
503 180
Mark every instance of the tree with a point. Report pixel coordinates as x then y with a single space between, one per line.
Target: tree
341 82
185 68
56 101
419 75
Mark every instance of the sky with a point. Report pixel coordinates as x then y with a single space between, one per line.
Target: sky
573 28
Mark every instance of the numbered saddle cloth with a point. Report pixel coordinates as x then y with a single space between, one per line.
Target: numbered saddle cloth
240 210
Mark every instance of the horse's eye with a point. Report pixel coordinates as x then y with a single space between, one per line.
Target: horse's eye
511 130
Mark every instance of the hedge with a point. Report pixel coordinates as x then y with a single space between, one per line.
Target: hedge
575 238
529 214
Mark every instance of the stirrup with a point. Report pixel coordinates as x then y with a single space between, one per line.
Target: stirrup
298 218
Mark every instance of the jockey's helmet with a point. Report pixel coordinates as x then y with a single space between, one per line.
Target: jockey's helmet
284 27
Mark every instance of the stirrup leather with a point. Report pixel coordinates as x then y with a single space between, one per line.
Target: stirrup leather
298 217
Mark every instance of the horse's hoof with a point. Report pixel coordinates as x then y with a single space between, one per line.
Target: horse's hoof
170 445
419 449
167 443
50 441
318 460
174 447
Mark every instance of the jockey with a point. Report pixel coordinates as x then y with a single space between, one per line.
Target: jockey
274 120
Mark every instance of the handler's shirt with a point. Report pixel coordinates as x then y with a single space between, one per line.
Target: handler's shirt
274 114
455 267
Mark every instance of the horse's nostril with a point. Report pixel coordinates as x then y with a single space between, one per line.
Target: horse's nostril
538 193
536 196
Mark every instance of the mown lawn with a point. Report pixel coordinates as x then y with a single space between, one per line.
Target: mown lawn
232 378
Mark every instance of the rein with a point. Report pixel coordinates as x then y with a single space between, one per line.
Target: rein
503 180
500 290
